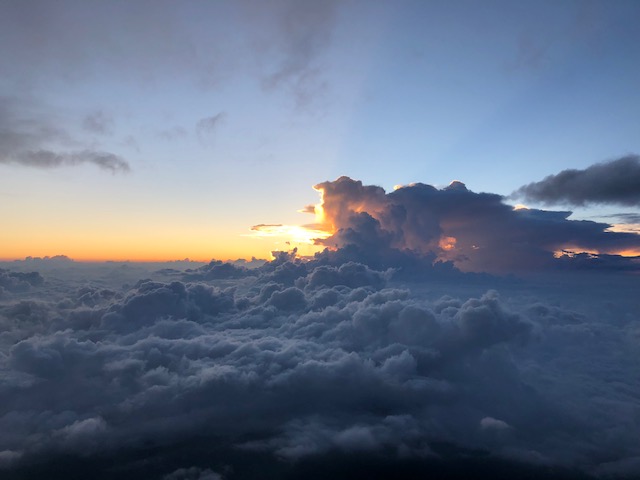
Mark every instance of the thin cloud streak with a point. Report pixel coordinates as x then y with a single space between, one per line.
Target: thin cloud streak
49 159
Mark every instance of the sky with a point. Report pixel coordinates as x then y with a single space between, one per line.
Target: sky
167 130
443 203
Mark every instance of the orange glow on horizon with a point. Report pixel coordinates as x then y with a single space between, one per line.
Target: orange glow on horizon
135 246
625 228
629 253
572 252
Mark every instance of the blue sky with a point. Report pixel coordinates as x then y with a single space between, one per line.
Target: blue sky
228 112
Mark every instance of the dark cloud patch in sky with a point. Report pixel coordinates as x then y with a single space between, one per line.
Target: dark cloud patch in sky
614 182
30 136
205 127
49 159
628 217
475 231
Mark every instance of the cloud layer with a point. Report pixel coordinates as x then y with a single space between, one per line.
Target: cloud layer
291 363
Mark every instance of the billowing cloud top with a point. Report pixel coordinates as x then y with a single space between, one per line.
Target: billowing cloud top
475 231
616 182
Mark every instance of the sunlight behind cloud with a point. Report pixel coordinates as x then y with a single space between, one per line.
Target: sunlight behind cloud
287 237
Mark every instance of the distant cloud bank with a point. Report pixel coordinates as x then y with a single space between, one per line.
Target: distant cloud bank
613 182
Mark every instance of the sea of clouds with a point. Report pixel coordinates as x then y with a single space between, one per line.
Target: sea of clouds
326 368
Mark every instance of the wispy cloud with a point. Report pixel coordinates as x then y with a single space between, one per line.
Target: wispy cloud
30 135
49 159
98 122
206 127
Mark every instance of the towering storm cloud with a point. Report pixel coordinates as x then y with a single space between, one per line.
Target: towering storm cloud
476 231
614 182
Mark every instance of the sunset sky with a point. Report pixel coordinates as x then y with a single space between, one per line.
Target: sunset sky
153 130
442 198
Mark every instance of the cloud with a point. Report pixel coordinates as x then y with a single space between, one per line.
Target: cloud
207 126
173 133
295 37
98 122
628 217
474 231
613 182
49 159
280 43
193 473
141 42
30 135
294 362
18 281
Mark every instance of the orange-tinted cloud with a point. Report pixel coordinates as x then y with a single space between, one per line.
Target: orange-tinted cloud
475 231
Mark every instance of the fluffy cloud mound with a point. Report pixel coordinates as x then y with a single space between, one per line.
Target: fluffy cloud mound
18 281
474 231
300 363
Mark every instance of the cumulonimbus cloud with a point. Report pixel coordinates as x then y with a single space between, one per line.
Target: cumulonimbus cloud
613 182
476 231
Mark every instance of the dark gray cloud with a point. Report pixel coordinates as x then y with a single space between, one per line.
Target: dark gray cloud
475 231
628 217
30 135
49 159
613 182
293 363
